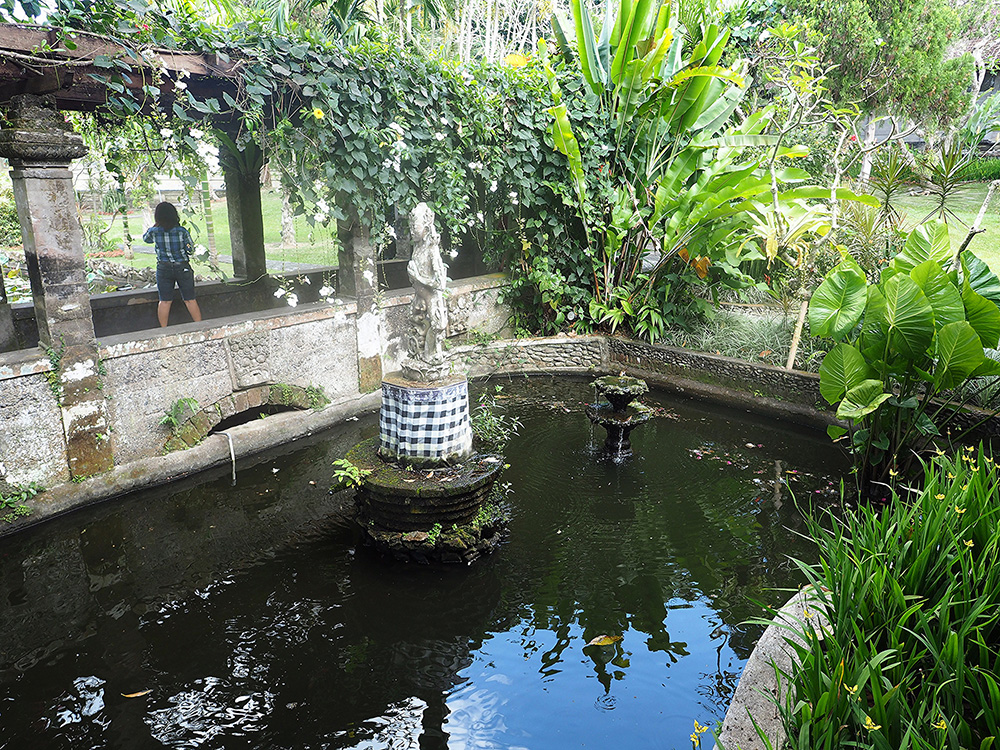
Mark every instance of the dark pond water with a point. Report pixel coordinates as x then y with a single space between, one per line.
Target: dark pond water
254 617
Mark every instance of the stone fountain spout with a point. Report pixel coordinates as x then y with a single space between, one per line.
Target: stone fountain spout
618 414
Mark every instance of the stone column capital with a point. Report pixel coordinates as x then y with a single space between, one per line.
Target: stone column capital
39 134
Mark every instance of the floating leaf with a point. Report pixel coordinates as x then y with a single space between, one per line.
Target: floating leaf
137 695
605 640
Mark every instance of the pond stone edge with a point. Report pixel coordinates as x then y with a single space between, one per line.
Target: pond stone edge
758 694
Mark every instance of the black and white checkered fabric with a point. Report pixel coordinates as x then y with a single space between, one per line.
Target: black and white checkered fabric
425 423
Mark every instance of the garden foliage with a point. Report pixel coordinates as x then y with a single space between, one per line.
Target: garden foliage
910 655
905 342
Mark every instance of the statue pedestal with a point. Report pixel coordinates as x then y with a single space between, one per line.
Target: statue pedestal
425 424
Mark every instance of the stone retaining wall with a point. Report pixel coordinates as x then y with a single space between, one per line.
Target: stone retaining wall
231 362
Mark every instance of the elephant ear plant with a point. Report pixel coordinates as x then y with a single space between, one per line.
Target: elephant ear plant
907 346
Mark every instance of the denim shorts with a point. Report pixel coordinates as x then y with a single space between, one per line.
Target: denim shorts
168 274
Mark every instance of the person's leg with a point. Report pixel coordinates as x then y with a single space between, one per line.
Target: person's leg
192 306
185 280
165 291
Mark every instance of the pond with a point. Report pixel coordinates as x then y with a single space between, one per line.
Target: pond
204 615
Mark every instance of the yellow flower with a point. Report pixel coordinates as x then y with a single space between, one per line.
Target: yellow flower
939 452
940 724
969 543
965 487
851 690
893 473
939 496
970 448
958 510
318 113
870 725
950 475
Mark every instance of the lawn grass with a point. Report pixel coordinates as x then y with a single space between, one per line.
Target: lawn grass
966 206
316 244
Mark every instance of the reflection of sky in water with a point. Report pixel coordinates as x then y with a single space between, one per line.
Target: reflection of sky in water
398 729
521 692
210 708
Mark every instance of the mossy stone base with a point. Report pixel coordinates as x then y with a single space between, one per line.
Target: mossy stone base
397 498
461 544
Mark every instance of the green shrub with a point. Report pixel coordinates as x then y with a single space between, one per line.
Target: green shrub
910 657
10 225
981 169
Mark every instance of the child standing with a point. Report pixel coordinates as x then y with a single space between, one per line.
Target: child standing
173 251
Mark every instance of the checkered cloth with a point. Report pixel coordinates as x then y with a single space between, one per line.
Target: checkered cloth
172 245
425 423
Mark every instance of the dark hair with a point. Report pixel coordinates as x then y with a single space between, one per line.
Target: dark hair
165 216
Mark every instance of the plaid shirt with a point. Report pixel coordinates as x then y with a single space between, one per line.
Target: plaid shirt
172 245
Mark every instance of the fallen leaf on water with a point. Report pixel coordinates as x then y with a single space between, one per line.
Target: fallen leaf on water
137 695
411 481
430 475
605 640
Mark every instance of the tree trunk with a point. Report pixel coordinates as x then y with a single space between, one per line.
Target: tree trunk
206 205
866 160
126 230
287 220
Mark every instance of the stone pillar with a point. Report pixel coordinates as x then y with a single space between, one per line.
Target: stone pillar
356 277
246 223
40 145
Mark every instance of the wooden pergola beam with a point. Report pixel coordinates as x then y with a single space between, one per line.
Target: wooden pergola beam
33 61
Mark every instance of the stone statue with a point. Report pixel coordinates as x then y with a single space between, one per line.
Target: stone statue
429 312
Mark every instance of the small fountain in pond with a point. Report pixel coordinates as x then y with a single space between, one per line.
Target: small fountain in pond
618 415
426 495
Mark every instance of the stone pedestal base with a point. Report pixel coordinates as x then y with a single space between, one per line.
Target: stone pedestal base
449 514
425 424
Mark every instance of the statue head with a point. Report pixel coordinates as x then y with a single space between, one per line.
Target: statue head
422 229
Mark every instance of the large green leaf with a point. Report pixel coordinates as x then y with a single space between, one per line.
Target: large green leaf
862 400
837 305
982 280
908 317
982 315
959 352
929 241
586 47
843 368
636 28
945 299
566 143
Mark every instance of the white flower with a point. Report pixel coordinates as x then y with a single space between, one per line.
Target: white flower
439 136
322 206
475 166
325 291
397 129
195 133
453 254
293 300
317 185
493 186
390 230
444 121
166 132
279 292
513 194
319 218
479 215
180 85
306 280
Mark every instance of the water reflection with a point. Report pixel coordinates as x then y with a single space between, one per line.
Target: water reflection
205 615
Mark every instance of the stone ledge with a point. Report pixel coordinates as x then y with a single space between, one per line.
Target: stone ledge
758 692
